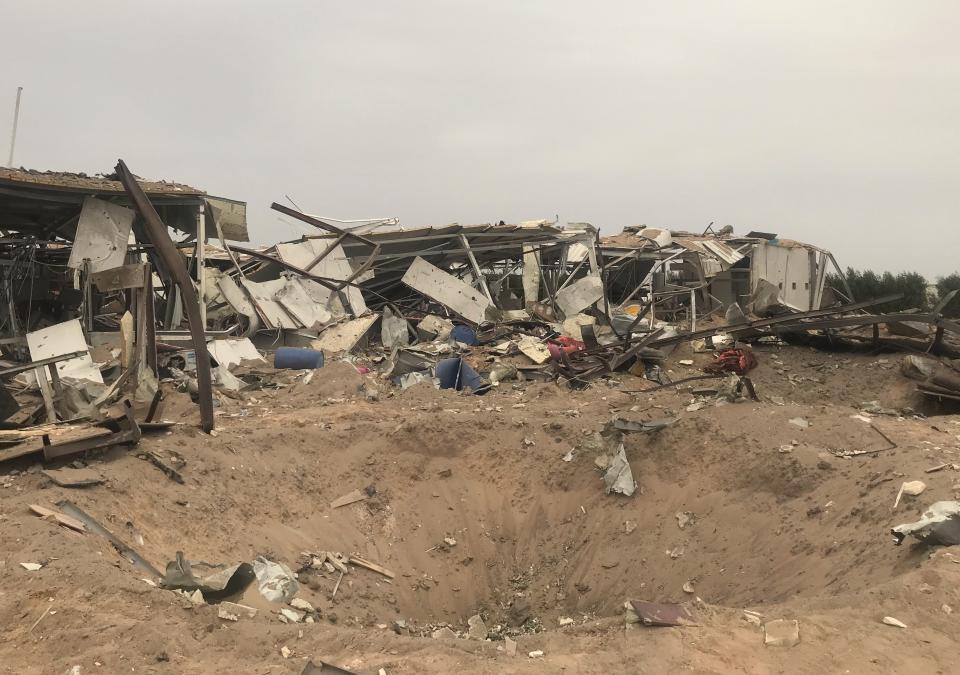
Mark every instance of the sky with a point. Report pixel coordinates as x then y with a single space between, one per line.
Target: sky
834 123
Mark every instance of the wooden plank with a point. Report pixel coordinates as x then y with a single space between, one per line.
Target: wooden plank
56 432
349 498
127 339
454 294
337 564
55 381
23 367
20 450
150 334
60 518
372 566
46 392
70 477
140 358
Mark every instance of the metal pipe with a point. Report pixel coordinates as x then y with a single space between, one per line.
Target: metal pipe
160 238
16 120
201 256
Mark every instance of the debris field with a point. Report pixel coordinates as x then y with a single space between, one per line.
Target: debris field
494 449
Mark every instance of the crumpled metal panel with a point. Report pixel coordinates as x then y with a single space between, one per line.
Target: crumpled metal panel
102 235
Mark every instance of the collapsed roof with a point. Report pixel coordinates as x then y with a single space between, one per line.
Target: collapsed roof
720 268
46 204
455 247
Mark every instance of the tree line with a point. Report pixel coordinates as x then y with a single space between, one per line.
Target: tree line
916 290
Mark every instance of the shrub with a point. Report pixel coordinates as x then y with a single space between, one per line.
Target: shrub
944 286
867 285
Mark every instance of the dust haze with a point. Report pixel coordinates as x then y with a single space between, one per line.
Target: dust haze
833 123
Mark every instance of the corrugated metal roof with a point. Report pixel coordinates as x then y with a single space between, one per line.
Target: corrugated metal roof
723 251
713 248
81 182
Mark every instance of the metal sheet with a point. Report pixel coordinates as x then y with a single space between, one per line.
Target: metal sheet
663 614
233 352
531 276
234 295
723 251
579 295
231 216
334 266
125 276
449 291
645 426
94 526
714 248
786 268
103 232
443 247
343 337
64 338
297 301
271 311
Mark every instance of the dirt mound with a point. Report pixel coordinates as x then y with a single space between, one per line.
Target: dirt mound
337 380
493 505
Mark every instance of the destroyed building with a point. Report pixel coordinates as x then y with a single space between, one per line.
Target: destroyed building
472 274
511 375
107 272
89 296
69 215
696 275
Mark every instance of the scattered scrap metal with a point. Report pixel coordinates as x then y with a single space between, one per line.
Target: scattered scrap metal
122 287
96 286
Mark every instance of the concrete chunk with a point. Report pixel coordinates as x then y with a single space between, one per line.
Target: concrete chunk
781 633
232 611
478 629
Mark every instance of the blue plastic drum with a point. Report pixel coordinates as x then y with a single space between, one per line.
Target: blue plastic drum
296 358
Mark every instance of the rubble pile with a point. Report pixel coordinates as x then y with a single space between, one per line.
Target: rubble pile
509 436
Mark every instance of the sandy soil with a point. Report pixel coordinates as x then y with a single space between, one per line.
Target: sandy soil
798 534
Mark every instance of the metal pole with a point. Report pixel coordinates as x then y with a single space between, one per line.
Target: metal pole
693 311
13 134
201 263
158 235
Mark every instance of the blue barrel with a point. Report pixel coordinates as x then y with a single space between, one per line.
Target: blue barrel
465 334
296 358
456 374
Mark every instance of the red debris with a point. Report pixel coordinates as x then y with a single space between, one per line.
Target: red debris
736 360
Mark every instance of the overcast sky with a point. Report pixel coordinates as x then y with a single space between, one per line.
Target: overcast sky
834 123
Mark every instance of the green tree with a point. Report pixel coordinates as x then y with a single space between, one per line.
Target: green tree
945 285
867 285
